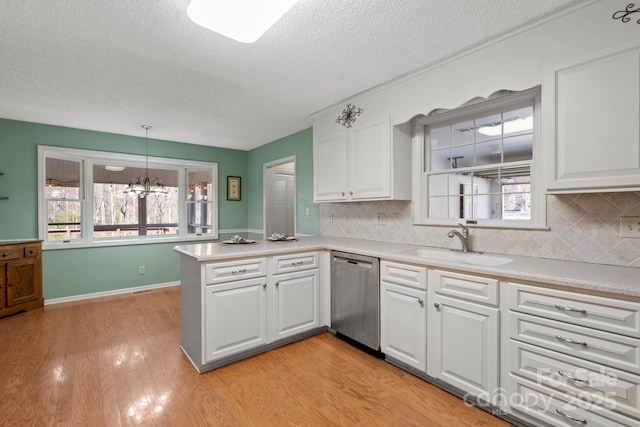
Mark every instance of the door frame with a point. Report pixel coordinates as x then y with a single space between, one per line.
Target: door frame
266 181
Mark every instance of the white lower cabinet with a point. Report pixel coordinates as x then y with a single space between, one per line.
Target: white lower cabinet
574 357
241 312
235 317
464 340
403 324
403 313
296 307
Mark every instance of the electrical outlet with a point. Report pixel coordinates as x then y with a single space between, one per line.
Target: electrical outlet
330 217
381 219
306 211
141 269
630 226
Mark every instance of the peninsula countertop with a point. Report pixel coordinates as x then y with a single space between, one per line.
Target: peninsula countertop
596 277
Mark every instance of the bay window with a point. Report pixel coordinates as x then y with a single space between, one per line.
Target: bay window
83 199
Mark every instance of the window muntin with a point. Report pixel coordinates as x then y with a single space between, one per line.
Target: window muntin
478 163
91 207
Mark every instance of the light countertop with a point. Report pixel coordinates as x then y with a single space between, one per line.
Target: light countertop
595 277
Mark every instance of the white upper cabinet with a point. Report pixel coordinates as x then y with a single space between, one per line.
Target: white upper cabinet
366 162
591 109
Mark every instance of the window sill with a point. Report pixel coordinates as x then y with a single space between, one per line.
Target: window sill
126 242
455 223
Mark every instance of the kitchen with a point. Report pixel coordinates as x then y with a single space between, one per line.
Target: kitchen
582 226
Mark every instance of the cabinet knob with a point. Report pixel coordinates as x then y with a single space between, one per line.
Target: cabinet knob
264 285
436 305
420 301
343 193
277 284
351 193
5 254
10 285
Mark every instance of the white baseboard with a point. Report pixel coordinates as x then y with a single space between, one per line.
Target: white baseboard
109 293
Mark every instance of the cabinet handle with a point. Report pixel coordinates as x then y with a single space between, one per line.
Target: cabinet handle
570 377
297 263
570 418
264 285
575 310
570 341
5 254
420 301
436 305
244 270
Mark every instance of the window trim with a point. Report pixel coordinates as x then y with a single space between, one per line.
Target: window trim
420 188
87 159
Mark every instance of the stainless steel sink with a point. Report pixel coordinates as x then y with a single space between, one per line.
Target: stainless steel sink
471 258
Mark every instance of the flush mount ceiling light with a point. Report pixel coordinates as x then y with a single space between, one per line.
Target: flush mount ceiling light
145 186
242 20
114 168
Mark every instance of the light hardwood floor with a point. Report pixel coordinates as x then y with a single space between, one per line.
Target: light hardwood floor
116 361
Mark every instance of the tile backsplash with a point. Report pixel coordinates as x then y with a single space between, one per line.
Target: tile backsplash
582 227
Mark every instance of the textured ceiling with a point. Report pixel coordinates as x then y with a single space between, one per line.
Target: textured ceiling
115 65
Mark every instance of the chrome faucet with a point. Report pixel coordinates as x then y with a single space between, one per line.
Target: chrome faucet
464 237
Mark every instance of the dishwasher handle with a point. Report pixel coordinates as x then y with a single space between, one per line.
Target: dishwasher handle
352 262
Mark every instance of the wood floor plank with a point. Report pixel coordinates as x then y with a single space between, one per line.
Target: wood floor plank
117 361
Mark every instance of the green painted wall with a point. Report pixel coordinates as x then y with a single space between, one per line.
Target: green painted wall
70 272
301 145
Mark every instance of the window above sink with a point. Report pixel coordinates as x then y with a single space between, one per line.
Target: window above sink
478 163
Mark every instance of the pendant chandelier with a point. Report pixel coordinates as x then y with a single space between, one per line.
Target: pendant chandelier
145 186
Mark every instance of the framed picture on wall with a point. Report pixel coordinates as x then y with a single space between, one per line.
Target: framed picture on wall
233 188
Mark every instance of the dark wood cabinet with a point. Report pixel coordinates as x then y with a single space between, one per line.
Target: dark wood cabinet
20 277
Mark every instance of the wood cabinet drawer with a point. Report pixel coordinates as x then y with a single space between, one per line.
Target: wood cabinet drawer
294 262
608 314
458 285
559 410
11 252
598 346
31 251
599 385
404 274
235 270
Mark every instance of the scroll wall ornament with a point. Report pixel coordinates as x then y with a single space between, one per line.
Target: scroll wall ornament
623 15
349 115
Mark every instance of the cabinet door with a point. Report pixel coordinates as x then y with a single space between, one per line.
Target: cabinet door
592 107
463 346
403 324
21 286
235 317
330 167
370 161
296 303
3 286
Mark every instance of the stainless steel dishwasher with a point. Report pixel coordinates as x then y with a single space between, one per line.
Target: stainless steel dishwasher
355 297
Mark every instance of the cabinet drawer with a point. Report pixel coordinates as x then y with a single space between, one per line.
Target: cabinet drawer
609 314
31 251
294 262
404 274
597 346
11 252
599 385
560 410
473 288
235 270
